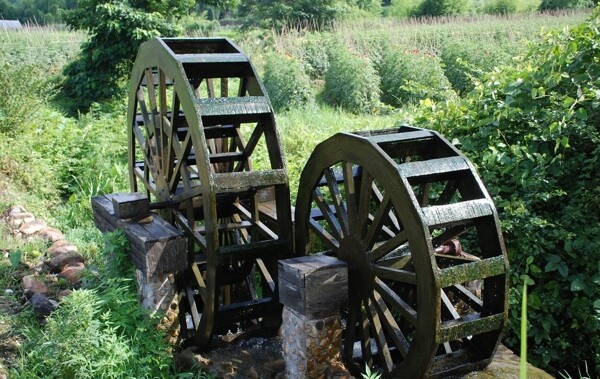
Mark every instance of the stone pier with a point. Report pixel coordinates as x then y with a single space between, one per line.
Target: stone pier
312 290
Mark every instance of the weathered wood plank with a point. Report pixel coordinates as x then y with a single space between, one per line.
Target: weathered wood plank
466 272
434 167
469 325
233 106
247 180
462 212
131 205
313 285
212 58
156 247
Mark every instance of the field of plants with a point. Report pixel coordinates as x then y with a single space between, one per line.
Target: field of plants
519 95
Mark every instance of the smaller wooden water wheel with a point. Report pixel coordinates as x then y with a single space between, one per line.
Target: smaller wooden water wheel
420 234
199 121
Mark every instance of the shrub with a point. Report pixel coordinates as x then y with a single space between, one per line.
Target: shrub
351 82
315 56
286 82
565 4
465 61
403 8
533 133
116 29
407 77
442 7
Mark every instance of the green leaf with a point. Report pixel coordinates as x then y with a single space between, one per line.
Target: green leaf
15 258
577 284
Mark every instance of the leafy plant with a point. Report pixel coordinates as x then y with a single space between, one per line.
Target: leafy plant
466 61
15 258
351 82
368 374
286 82
533 133
116 29
407 77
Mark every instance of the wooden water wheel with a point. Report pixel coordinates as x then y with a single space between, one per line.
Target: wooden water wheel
426 259
204 147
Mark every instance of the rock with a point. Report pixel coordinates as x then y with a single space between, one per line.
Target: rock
73 272
62 294
189 359
9 291
51 234
30 282
16 209
42 306
32 227
252 374
17 219
61 247
57 263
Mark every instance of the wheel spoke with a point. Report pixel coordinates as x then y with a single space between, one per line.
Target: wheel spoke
390 324
379 335
324 235
377 224
351 200
350 335
448 304
395 301
364 205
387 247
447 193
319 199
365 340
336 198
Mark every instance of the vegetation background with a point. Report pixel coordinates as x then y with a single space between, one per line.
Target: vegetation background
518 91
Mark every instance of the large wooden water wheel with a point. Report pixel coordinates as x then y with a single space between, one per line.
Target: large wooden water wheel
420 234
204 147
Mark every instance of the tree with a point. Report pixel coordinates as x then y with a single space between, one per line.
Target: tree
295 13
7 11
116 29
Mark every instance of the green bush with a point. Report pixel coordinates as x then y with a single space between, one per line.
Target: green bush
315 56
116 29
351 82
533 133
466 60
403 8
286 82
442 7
566 4
407 77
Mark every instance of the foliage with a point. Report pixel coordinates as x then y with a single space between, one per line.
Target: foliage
116 30
466 61
278 14
351 82
565 4
402 8
533 132
407 77
315 56
442 7
368 374
286 82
